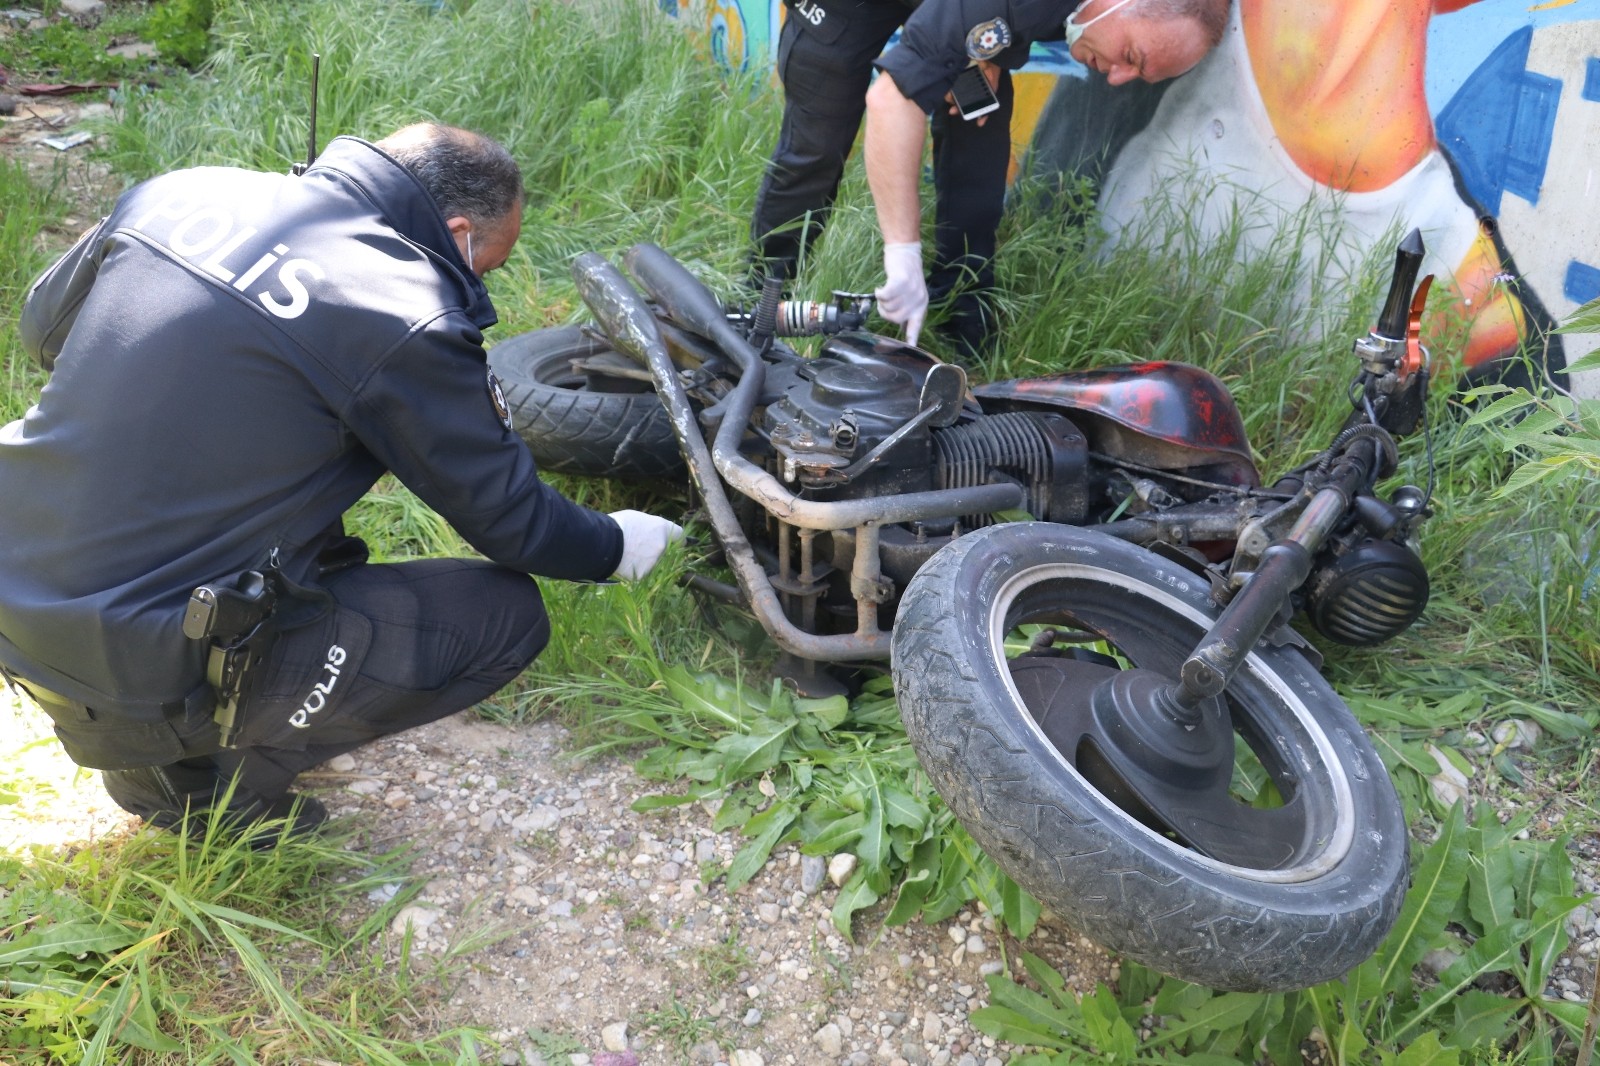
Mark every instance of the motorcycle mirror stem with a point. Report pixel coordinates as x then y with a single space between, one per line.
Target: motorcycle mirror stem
1393 360
1382 349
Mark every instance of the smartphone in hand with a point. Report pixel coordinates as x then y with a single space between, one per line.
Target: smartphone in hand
972 95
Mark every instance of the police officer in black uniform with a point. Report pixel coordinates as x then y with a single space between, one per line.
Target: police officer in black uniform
236 358
825 58
1121 40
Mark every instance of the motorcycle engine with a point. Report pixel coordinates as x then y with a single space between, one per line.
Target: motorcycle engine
841 430
845 426
842 408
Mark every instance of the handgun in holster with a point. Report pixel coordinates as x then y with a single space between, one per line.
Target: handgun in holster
235 615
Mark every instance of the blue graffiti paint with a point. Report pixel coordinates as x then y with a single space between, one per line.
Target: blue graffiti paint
1499 127
722 46
1460 41
1591 80
1582 282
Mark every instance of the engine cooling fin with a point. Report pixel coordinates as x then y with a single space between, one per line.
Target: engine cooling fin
1044 453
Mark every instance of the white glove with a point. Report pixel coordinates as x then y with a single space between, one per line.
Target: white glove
644 538
903 297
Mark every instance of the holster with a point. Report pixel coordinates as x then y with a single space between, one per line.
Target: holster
237 653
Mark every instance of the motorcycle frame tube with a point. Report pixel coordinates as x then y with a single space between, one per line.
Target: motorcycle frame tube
1326 859
631 325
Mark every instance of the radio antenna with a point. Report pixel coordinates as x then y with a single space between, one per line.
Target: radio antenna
311 146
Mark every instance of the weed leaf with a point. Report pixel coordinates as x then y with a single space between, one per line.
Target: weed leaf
1435 886
64 942
769 828
1424 1051
855 895
1108 1030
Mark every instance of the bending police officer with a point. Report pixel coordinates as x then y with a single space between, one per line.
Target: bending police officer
825 57
1121 40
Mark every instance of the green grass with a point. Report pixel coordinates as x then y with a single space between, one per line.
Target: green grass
27 211
626 133
157 949
62 50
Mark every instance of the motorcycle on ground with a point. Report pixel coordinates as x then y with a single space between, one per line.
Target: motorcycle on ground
1081 582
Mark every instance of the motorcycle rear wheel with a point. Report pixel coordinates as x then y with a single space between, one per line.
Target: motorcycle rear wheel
586 423
1083 849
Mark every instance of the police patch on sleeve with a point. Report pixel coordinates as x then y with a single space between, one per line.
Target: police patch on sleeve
498 398
988 39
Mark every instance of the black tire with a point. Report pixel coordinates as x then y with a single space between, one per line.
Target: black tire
582 423
1135 889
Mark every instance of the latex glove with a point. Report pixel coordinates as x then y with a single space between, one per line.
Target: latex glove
903 297
644 538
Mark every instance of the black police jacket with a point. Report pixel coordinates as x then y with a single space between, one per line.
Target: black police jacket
939 40
236 358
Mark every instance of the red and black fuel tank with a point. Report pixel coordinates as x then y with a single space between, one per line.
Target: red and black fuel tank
1170 416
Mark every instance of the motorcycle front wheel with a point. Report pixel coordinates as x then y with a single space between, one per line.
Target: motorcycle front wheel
578 419
1288 874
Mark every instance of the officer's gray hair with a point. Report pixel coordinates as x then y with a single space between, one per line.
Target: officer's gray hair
1212 15
466 173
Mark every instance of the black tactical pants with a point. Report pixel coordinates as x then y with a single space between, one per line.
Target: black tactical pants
405 644
825 73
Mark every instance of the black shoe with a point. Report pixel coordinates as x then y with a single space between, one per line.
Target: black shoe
970 336
289 817
183 800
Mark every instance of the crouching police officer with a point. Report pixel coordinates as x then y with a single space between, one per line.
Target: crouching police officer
236 358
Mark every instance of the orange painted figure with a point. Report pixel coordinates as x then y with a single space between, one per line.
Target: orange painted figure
1346 99
1326 102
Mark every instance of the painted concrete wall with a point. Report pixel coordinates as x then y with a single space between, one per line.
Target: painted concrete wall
1477 120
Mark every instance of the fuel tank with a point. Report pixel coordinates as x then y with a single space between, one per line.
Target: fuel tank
1169 416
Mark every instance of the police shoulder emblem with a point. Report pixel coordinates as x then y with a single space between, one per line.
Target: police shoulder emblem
498 398
988 39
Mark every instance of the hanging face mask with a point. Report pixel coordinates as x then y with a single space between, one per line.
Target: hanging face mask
1075 31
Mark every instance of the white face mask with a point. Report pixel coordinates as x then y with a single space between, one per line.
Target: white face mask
469 247
1075 31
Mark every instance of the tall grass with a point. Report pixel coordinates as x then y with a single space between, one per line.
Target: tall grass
27 210
158 949
623 130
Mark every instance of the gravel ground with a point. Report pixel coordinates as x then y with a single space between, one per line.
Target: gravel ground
582 931
613 936
579 927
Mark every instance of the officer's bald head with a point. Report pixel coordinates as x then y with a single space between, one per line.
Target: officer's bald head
1212 15
466 173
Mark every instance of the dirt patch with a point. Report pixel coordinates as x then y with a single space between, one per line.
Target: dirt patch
87 185
583 928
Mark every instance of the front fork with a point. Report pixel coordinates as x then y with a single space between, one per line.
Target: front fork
1284 567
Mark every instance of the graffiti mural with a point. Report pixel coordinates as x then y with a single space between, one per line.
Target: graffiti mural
742 35
1476 120
1490 150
